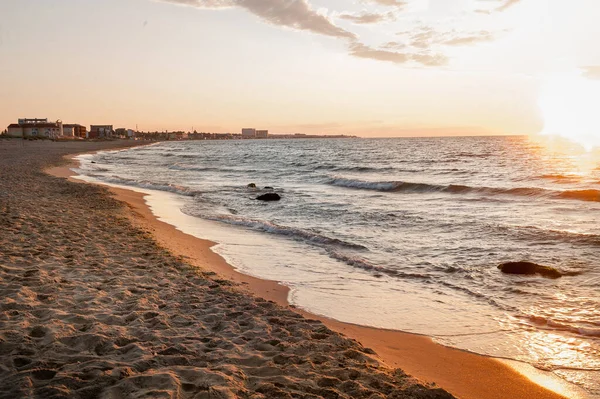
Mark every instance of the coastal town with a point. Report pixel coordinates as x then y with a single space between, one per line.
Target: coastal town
42 128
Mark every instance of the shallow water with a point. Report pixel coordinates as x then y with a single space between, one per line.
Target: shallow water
405 233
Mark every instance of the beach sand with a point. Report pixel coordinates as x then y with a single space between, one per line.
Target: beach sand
98 299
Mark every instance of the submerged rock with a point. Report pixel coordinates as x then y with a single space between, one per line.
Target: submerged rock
269 188
269 197
529 268
251 185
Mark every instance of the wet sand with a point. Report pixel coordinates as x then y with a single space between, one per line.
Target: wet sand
102 300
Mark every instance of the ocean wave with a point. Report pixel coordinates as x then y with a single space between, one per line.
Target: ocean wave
472 155
291 232
583 195
99 169
173 188
195 168
454 171
368 169
591 195
364 264
357 168
540 234
558 178
562 326
318 167
368 266
365 185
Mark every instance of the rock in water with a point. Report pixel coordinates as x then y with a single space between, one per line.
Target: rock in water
269 188
529 268
269 197
251 185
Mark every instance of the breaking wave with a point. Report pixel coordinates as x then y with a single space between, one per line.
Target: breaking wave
539 321
291 232
173 188
368 266
408 187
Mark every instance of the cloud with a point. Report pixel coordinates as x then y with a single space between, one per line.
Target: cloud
368 18
506 4
427 37
429 59
363 51
205 3
298 14
391 3
295 14
393 46
470 39
422 38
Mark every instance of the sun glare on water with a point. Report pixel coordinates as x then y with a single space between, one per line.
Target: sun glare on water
570 107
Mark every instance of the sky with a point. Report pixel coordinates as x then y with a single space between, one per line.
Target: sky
362 67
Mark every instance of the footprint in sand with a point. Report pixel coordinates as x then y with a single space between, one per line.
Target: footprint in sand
43 374
37 332
21 362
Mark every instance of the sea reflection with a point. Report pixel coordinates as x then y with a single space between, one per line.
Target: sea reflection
566 353
567 158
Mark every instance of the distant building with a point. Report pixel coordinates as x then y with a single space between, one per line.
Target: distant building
262 134
35 128
101 131
25 121
248 133
121 132
74 130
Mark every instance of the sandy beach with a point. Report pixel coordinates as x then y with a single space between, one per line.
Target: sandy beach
98 298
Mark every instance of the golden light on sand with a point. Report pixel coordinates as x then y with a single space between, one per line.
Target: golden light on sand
570 106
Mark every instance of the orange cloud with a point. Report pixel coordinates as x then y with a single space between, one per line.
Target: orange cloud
296 14
363 51
368 18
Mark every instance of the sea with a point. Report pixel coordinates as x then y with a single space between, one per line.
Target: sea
402 233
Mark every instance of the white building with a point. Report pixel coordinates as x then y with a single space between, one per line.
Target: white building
36 128
248 133
262 134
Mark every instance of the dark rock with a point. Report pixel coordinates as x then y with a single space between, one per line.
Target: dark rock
251 185
529 268
269 197
268 188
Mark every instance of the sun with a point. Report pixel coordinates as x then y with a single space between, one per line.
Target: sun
570 107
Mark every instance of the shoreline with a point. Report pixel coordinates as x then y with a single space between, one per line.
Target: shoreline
91 306
464 374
